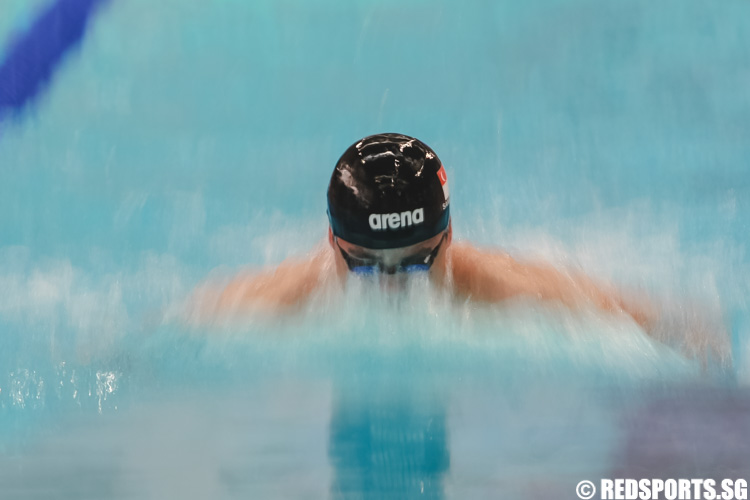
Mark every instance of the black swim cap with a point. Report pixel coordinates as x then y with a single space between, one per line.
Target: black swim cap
388 191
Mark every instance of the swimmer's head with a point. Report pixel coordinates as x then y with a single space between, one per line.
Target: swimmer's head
388 191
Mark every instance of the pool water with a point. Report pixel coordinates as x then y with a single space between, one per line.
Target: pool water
173 141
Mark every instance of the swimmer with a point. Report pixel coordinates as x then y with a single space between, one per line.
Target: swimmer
389 214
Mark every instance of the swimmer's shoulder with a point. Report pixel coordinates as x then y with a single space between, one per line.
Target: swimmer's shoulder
278 288
467 255
479 273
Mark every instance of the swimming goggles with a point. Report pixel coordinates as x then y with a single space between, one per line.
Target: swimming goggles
420 261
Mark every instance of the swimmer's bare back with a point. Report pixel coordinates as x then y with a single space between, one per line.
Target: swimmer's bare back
481 275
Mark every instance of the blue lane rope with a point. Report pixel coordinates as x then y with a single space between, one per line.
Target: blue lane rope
33 55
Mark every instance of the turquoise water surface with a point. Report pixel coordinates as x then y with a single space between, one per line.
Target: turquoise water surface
183 139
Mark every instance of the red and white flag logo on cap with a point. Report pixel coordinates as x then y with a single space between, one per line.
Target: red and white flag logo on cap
443 181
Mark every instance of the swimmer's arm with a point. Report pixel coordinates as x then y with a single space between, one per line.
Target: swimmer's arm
275 290
494 276
287 285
